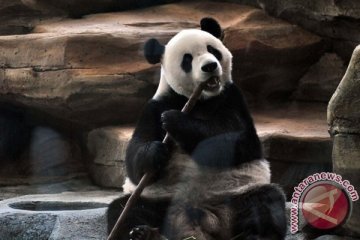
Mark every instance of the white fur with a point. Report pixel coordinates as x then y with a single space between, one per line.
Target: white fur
184 174
128 186
194 42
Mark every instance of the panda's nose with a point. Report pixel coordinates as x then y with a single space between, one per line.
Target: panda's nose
209 67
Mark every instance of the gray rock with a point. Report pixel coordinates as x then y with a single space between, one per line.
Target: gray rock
108 176
82 225
344 106
297 236
82 184
81 7
344 122
17 18
71 215
334 237
26 226
107 149
336 20
323 8
49 157
322 79
296 133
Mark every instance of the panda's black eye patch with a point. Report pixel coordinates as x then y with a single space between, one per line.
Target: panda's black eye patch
186 62
214 52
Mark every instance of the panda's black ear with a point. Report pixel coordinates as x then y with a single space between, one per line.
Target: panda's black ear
211 26
153 50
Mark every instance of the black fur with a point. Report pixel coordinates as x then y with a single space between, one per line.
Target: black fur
258 214
214 52
219 120
146 212
153 51
211 26
186 63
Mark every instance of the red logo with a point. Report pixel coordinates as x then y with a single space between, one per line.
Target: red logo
325 206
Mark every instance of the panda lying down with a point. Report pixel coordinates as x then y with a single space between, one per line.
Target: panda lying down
212 182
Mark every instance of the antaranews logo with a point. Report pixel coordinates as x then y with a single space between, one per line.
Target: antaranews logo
325 201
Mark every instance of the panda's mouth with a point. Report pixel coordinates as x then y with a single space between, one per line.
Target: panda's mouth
212 84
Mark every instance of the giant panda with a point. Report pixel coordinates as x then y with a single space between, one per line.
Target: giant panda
212 182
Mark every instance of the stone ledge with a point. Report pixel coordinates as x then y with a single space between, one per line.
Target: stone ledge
68 215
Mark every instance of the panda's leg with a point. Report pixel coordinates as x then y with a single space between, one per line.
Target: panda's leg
259 214
144 221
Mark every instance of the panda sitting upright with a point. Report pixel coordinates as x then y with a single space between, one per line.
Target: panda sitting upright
212 183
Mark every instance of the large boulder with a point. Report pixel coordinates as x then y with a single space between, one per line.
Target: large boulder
107 149
344 121
91 70
79 8
338 21
68 215
17 18
322 79
324 8
49 157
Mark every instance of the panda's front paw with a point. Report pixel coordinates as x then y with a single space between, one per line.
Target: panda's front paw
172 121
144 232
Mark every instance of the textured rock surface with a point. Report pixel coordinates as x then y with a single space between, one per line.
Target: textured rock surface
334 237
296 142
270 55
344 106
336 20
69 215
17 18
49 157
78 8
26 226
322 79
91 70
107 147
323 8
81 184
295 133
344 121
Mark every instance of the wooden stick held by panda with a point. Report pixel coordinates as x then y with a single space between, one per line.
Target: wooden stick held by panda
148 176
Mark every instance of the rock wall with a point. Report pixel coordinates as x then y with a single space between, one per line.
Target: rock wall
344 122
337 21
80 8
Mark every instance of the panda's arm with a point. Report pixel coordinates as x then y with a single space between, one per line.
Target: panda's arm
228 150
145 151
231 118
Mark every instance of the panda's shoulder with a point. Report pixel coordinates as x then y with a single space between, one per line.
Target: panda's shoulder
232 92
169 100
